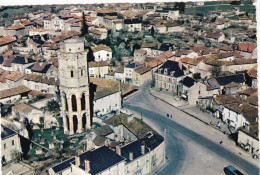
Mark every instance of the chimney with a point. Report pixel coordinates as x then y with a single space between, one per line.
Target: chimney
143 149
118 150
26 59
77 160
107 143
180 64
87 165
131 156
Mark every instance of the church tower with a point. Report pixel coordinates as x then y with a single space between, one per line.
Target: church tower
74 86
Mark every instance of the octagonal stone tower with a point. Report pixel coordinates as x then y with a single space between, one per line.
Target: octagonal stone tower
74 86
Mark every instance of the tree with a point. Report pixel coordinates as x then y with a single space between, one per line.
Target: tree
53 106
16 156
152 31
180 6
84 28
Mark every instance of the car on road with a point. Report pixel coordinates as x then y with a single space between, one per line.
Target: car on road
230 170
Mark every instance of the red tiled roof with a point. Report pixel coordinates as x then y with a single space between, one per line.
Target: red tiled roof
246 47
6 40
14 76
13 91
15 27
98 63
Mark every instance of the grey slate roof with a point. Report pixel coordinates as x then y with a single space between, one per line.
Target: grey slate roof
135 148
21 60
188 81
100 159
152 140
172 66
6 133
221 81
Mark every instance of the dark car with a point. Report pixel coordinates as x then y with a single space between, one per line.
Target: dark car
230 170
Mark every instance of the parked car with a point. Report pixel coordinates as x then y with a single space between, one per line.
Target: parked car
230 170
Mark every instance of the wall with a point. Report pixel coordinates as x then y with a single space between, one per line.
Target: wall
103 55
247 139
108 103
7 152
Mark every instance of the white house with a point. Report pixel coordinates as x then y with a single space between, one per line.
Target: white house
240 115
98 69
102 53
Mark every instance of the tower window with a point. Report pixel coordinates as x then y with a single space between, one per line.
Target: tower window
81 72
71 74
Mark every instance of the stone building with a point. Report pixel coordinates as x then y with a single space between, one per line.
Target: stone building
74 86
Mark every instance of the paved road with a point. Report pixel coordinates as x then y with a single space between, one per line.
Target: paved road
192 147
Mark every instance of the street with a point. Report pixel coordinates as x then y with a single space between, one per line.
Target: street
191 146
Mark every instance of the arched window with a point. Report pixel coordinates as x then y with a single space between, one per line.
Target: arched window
75 123
82 72
68 122
84 121
71 74
83 102
74 103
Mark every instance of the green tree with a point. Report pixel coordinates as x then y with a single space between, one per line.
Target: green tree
84 28
16 156
53 106
152 31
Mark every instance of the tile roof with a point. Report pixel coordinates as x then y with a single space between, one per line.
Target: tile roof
6 132
214 35
8 62
193 61
15 76
252 72
136 126
249 91
149 45
225 99
96 32
154 62
143 52
171 24
40 67
98 63
15 27
168 54
101 47
246 47
24 108
6 40
250 112
226 48
103 130
2 76
13 91
142 69
55 61
27 23
241 62
42 79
